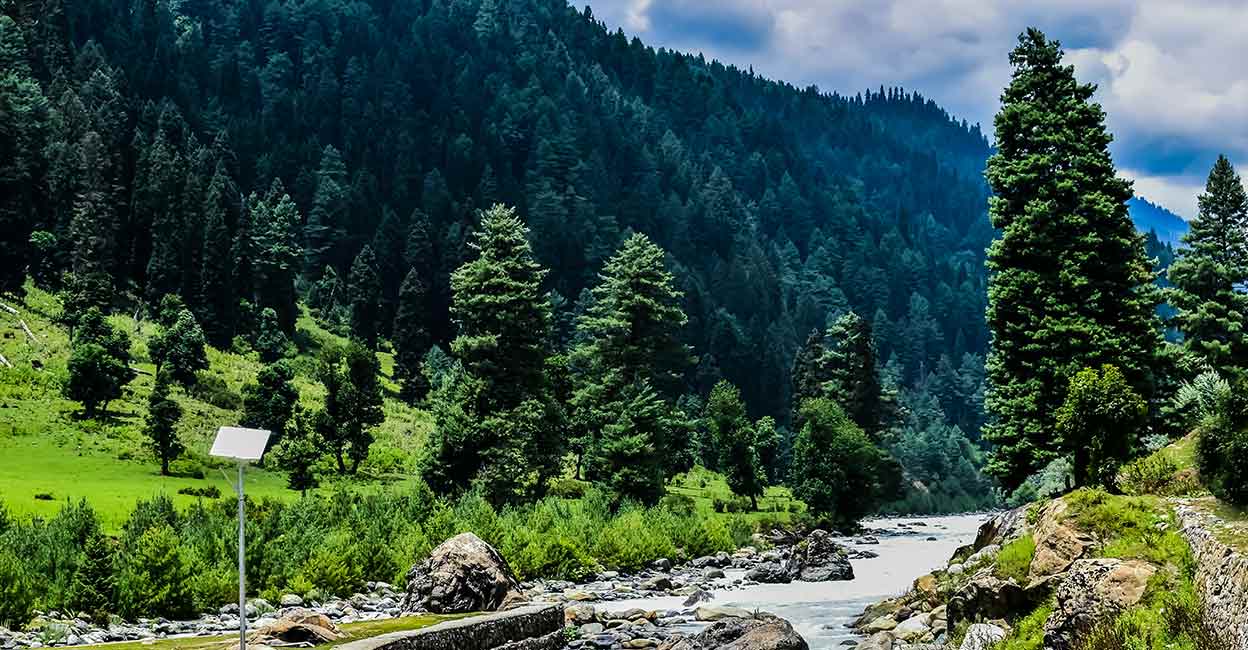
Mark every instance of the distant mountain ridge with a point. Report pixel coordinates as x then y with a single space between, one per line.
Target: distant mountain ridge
1148 216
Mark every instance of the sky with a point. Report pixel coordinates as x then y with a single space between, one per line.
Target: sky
1171 74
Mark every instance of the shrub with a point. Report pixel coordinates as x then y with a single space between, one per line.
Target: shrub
1029 633
681 505
153 577
186 468
211 388
213 586
568 488
1014 559
1099 424
207 492
17 591
629 541
1152 474
331 569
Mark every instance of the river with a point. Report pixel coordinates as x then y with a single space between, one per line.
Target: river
819 611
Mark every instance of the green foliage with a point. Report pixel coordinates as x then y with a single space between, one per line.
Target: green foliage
852 381
353 402
153 578
1014 559
411 337
1221 412
269 401
17 591
1207 272
626 458
163 414
99 364
364 286
1062 235
1100 424
837 471
298 452
735 438
1028 634
179 349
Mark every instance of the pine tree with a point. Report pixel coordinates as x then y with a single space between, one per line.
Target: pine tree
271 342
809 374
852 377
1069 284
365 289
298 453
163 414
217 290
23 135
179 349
353 401
269 401
92 588
277 255
327 218
734 439
1209 272
625 459
411 337
635 321
502 312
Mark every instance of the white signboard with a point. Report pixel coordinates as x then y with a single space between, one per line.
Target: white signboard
239 443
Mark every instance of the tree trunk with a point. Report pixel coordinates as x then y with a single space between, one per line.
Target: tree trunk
342 466
753 503
164 464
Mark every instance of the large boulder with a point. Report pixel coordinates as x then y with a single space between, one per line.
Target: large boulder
988 597
297 627
766 633
819 559
982 636
1058 543
464 574
1093 592
768 573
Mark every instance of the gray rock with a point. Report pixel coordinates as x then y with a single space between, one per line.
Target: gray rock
768 573
464 574
715 613
982 636
1093 592
820 559
769 633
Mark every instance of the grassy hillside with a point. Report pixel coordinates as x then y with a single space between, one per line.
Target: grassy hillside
49 455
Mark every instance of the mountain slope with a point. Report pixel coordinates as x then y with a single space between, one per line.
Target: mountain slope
1148 216
778 205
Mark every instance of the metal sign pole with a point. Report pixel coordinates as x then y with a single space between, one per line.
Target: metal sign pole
242 567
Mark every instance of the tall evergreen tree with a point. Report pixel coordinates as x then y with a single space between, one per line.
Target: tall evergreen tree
163 414
502 313
734 439
276 220
1069 283
327 218
217 292
23 135
353 403
853 380
365 288
411 337
269 401
1209 272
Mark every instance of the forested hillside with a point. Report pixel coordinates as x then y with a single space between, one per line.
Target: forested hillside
151 144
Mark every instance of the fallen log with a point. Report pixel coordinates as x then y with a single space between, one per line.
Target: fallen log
8 309
5 362
26 328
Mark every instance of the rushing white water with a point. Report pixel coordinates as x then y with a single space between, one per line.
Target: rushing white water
819 611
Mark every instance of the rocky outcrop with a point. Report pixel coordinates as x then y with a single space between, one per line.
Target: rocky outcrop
1094 591
987 597
537 627
765 633
301 626
1221 577
819 559
1058 543
464 574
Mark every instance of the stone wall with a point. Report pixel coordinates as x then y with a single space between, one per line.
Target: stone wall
1221 576
534 627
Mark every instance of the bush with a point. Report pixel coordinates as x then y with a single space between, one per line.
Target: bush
1152 474
1099 424
153 578
629 541
207 492
186 468
17 591
568 488
211 388
213 587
